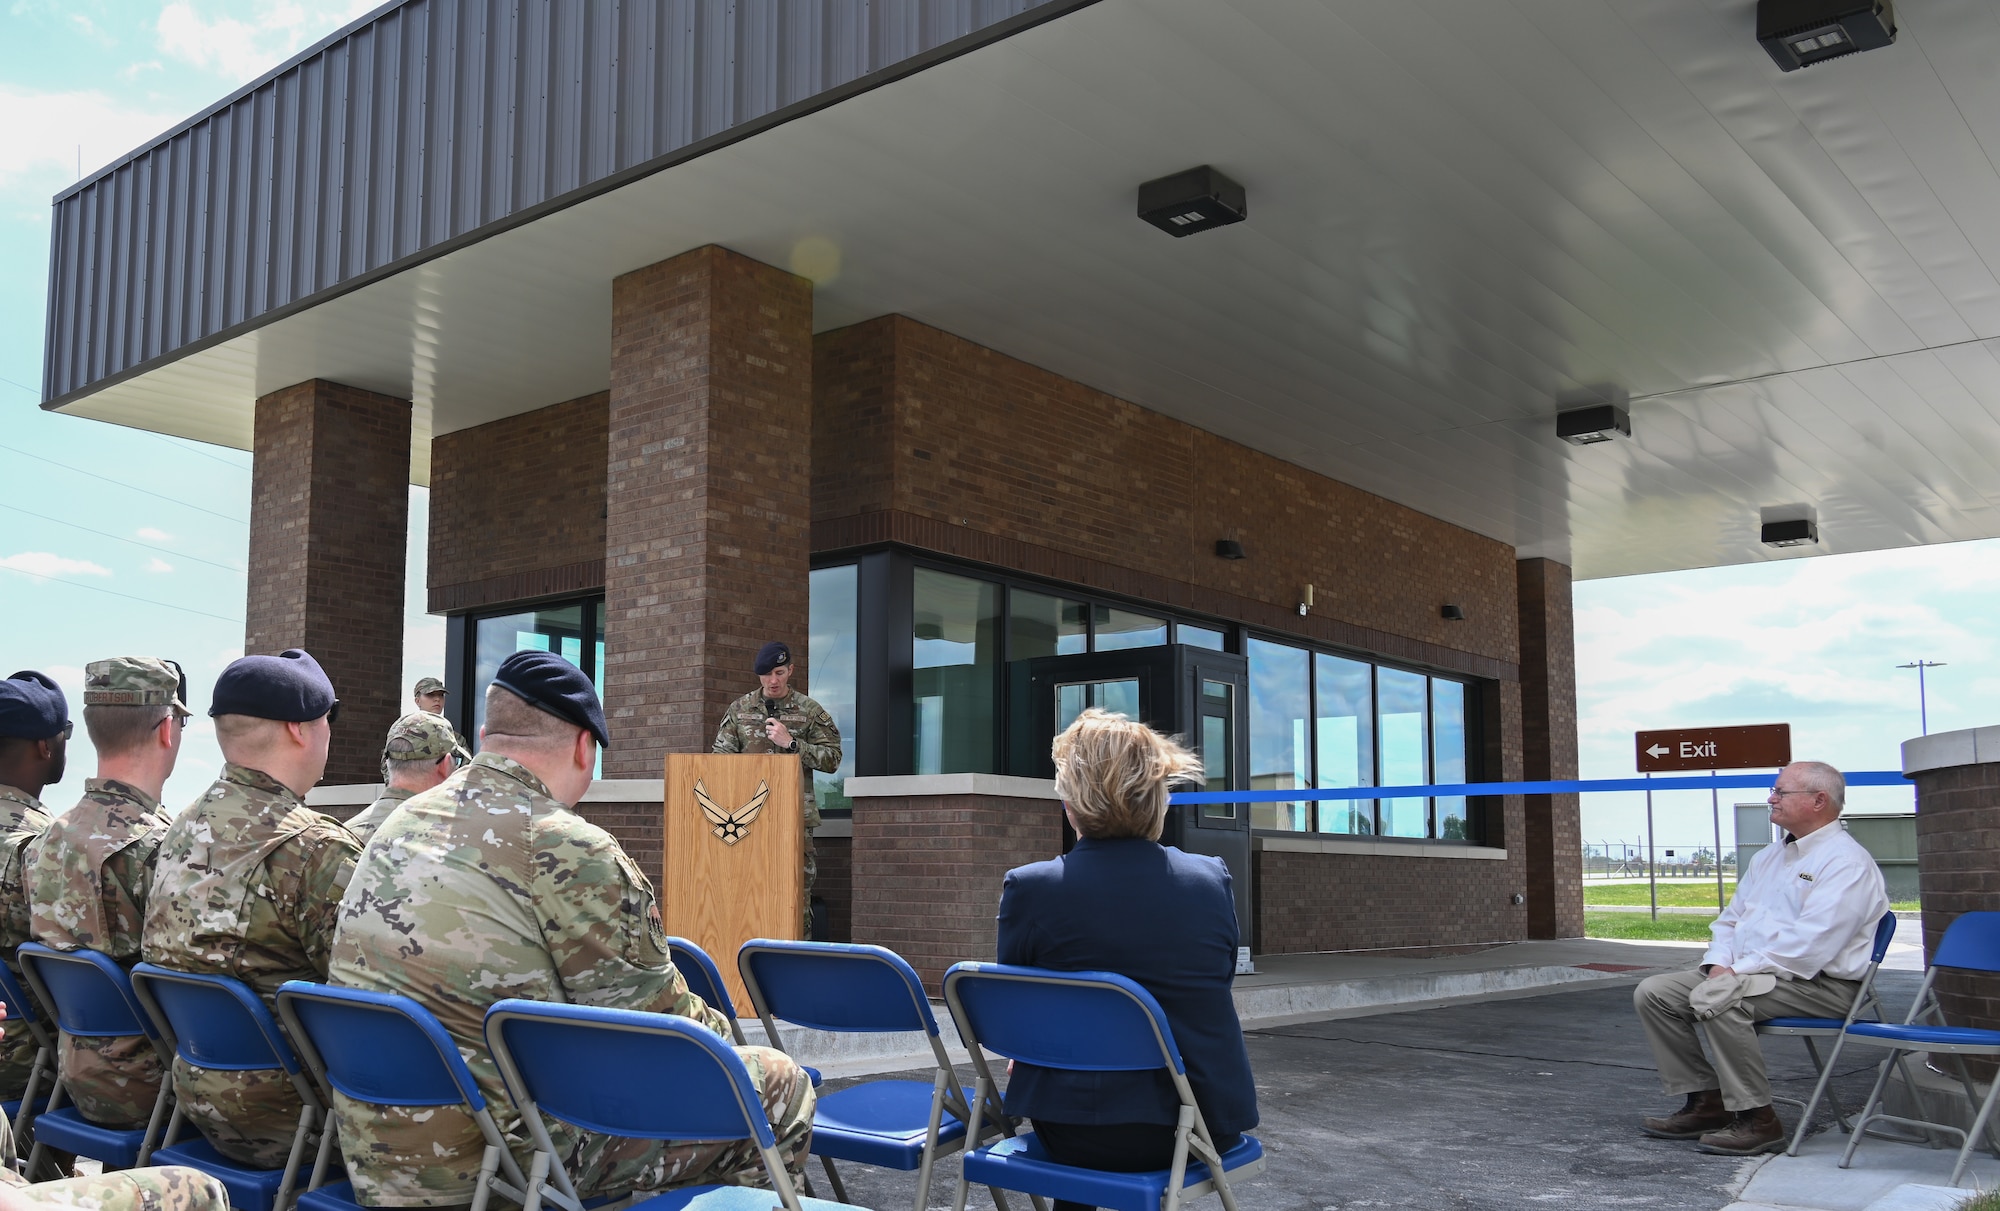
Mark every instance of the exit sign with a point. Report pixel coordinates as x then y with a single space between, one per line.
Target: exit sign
1758 746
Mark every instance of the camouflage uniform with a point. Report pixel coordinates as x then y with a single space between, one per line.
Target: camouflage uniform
22 820
168 1188
248 884
417 736
486 888
368 819
818 738
88 878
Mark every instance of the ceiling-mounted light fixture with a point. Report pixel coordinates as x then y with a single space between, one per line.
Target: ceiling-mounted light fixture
1799 533
1228 548
1192 201
1452 613
1597 423
1800 33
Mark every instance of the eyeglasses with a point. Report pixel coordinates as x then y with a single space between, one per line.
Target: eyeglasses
69 729
1778 791
333 712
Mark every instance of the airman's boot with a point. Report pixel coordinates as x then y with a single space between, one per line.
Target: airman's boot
1754 1131
1702 1114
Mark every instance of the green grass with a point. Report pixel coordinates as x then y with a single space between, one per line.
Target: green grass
1672 895
1987 1200
1640 927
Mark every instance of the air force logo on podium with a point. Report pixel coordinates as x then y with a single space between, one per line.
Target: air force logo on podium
731 826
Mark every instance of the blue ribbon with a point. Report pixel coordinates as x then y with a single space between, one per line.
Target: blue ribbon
1699 783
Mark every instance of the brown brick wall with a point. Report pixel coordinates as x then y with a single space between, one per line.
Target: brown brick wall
836 885
927 871
1958 871
517 507
708 537
994 452
330 508
1318 902
1548 738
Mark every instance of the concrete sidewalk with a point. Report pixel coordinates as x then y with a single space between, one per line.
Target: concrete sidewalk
1886 1176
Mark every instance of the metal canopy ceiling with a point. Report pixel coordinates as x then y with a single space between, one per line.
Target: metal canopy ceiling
1461 212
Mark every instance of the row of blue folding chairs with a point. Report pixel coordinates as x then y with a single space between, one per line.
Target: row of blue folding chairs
389 1050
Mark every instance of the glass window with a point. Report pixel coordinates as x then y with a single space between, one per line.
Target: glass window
1198 637
1121 629
1405 743
1218 748
830 669
1120 697
1280 755
955 659
1041 625
1448 762
1344 726
570 630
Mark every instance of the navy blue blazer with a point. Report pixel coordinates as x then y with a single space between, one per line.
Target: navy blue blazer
1164 919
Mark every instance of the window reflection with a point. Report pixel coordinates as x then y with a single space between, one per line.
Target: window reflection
570 630
1041 625
1121 629
834 607
955 656
1198 637
1279 755
1344 722
1400 727
1448 744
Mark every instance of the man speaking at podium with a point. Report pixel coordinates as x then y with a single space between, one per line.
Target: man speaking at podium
774 718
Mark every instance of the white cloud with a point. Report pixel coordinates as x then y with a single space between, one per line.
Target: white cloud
43 563
152 535
47 132
243 48
156 564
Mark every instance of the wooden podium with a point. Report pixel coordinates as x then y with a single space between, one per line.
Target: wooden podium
735 846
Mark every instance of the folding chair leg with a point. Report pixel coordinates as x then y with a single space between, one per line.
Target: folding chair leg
1823 1088
1868 1109
979 1091
833 1179
1179 1173
151 1139
538 1176
300 1138
781 1179
489 1163
1979 1126
329 1135
929 1157
25 1117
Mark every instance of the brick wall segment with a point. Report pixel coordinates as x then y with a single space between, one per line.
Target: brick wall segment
708 496
329 521
1554 824
1958 871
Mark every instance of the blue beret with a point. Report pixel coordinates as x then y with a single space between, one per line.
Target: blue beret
771 655
549 683
32 707
289 687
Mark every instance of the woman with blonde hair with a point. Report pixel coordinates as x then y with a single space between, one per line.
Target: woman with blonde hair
1122 902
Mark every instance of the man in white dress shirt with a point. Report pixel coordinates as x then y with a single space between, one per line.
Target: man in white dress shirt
1794 942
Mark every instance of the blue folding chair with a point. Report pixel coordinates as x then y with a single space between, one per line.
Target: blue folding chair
1808 1029
219 1023
844 988
1085 1021
91 997
1970 943
601 1070
704 979
388 1050
21 1015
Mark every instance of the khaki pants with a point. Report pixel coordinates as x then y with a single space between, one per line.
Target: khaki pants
1738 1067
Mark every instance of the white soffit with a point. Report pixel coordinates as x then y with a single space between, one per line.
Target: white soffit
1460 212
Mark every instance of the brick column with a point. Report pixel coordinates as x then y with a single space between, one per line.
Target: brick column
708 504
329 519
1553 831
1957 775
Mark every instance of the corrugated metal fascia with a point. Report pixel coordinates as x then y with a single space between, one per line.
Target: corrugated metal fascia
431 124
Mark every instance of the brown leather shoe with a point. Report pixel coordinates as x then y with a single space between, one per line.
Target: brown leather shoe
1702 1114
1754 1131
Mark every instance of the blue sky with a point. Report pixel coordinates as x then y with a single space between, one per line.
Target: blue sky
136 542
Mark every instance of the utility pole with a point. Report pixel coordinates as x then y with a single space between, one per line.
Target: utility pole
1923 708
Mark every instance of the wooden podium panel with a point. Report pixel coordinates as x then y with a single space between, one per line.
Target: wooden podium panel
735 845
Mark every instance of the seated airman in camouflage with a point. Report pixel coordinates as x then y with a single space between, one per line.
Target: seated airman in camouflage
490 887
418 755
166 1188
34 745
90 873
248 883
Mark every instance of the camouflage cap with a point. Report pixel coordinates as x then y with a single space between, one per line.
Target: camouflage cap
419 736
429 685
134 681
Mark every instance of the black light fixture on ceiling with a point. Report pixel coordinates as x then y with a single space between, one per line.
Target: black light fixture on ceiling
1597 423
1800 33
1192 201
1452 613
1800 532
1228 548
